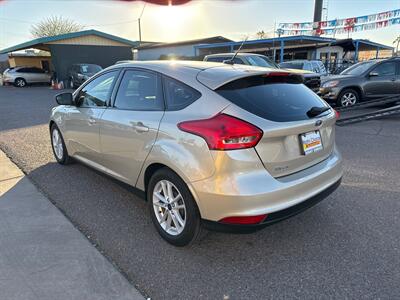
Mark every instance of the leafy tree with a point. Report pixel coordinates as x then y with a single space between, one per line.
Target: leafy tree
54 25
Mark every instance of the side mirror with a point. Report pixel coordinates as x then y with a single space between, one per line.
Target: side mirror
65 99
373 74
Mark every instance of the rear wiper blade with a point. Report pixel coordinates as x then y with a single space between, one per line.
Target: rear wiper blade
315 111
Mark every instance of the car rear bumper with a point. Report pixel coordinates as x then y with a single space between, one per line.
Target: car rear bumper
247 194
275 216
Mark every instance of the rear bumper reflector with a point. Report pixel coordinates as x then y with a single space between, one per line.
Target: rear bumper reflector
244 220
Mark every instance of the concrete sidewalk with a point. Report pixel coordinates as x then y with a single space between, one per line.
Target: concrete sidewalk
42 255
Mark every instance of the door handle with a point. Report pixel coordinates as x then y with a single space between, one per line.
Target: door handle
139 127
92 121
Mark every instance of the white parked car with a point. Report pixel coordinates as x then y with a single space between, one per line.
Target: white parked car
21 76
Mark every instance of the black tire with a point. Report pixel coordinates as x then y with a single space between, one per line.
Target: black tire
192 228
65 158
20 82
346 93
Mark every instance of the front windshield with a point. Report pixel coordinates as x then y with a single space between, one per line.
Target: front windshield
292 65
358 69
90 69
260 61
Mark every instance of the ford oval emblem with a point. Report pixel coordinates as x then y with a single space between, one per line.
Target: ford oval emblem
318 123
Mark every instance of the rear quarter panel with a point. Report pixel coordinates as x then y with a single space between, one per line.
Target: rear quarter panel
186 154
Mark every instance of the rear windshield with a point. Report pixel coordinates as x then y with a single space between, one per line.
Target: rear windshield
275 98
261 62
90 69
292 65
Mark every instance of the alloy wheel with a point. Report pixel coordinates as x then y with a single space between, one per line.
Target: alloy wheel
20 83
169 207
348 99
57 144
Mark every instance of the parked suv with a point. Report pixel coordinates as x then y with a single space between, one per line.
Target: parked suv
79 73
21 76
312 80
209 144
315 66
362 82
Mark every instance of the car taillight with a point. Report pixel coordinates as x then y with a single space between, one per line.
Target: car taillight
224 132
337 114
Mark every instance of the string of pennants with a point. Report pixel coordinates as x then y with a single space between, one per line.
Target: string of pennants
341 26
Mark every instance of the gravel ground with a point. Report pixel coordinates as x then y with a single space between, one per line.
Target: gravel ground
347 246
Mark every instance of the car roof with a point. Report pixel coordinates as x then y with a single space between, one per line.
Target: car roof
85 64
302 60
209 74
21 67
232 54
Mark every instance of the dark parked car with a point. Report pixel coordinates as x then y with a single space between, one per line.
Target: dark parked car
362 82
315 66
79 73
311 79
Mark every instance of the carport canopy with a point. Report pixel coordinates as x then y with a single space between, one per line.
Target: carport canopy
88 46
358 45
282 43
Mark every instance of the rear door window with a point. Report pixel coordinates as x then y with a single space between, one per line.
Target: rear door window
278 98
386 69
37 71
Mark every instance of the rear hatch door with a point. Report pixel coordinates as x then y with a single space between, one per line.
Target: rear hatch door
298 126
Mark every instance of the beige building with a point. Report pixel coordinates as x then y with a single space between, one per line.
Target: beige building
30 59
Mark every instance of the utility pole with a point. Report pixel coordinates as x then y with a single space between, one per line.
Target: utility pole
140 32
140 28
318 5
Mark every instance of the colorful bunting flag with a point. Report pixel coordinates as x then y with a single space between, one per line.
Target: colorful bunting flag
340 26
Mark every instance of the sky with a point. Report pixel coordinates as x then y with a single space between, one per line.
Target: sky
233 19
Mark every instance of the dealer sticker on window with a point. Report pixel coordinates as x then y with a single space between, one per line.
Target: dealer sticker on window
311 142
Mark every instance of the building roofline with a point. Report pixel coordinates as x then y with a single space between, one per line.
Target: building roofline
269 40
60 37
179 43
370 43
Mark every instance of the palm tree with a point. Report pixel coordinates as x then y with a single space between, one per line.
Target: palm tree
397 42
261 34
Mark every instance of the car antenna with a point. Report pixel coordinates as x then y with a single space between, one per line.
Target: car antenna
230 61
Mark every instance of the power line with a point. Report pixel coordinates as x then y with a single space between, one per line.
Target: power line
116 23
15 20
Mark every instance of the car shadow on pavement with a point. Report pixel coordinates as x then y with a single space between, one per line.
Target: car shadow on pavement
117 222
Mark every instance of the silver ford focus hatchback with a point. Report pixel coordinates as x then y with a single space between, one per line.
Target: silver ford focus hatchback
228 147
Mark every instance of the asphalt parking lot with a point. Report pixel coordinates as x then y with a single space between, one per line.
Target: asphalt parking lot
347 246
